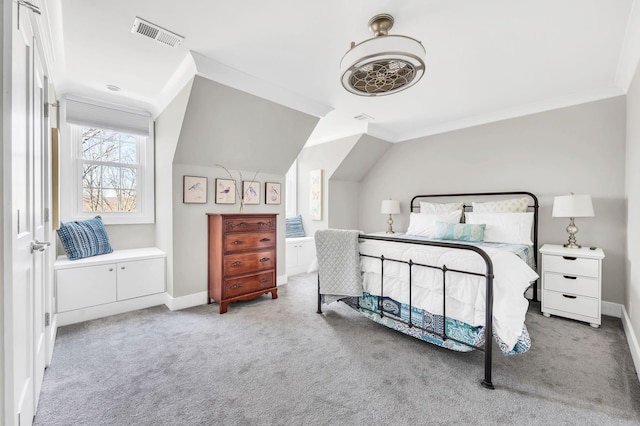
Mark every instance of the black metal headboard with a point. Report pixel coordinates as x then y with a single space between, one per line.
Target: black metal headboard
533 206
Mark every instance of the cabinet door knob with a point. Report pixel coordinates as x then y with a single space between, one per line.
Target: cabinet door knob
569 258
122 267
569 277
110 269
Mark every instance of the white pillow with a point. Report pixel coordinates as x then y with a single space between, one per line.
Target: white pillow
424 224
510 228
433 208
513 205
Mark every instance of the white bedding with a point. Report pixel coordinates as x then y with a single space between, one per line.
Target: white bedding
465 299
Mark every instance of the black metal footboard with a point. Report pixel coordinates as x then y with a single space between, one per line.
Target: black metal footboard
488 275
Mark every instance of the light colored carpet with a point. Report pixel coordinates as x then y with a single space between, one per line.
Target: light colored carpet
277 362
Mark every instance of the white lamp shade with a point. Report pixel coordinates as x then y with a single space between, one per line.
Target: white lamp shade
574 205
390 207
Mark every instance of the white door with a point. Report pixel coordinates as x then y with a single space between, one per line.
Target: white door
26 319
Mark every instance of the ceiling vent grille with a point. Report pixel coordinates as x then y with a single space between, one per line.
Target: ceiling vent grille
159 34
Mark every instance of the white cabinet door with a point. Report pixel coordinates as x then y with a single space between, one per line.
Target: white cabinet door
306 253
82 287
140 278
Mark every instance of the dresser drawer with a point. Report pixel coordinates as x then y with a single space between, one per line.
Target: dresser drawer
250 224
243 242
570 265
572 284
244 263
571 304
248 284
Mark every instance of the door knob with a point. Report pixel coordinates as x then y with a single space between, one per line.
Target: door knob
38 245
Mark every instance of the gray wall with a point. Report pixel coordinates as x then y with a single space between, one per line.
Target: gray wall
190 258
632 286
206 125
168 125
579 149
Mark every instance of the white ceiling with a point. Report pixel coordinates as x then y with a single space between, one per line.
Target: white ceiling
486 60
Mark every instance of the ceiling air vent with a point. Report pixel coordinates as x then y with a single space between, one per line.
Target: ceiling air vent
159 34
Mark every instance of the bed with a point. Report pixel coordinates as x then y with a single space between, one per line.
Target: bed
462 268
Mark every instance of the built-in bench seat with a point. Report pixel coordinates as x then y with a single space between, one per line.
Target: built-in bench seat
108 284
300 253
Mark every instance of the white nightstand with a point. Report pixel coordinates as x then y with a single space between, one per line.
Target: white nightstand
572 282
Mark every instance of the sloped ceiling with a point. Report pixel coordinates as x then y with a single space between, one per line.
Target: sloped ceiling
364 154
240 131
486 60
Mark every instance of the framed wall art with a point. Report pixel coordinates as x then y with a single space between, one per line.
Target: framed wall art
315 194
225 191
194 190
251 192
271 193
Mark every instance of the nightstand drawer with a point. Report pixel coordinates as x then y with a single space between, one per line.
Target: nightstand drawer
571 265
573 284
571 304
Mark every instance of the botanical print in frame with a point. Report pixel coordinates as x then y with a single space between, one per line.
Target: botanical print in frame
271 193
194 190
225 191
251 192
315 194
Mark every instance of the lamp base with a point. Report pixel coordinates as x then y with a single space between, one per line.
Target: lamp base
572 245
390 228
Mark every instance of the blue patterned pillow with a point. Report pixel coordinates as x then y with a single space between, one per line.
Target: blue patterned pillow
293 227
460 231
84 238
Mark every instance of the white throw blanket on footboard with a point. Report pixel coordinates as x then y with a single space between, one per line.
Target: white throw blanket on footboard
338 262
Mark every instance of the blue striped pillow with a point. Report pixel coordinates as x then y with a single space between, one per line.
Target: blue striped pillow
293 227
84 238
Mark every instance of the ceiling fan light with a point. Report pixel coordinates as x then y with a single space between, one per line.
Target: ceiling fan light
382 65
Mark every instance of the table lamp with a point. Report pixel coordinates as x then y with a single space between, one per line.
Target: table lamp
572 206
390 207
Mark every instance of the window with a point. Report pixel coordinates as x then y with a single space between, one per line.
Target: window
111 166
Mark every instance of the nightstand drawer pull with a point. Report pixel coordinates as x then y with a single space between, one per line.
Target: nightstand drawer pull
569 277
569 258
568 296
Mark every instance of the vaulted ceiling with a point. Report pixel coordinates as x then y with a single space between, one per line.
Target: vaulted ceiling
486 60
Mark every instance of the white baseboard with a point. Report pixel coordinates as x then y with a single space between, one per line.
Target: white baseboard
188 301
611 309
100 311
634 347
52 333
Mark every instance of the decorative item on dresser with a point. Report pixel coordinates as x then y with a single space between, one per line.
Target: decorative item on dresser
242 257
572 282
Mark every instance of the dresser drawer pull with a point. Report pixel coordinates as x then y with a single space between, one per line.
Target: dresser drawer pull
264 240
264 259
569 258
236 263
236 242
265 280
569 277
261 223
236 286
568 296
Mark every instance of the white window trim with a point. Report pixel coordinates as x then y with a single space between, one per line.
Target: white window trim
291 185
71 175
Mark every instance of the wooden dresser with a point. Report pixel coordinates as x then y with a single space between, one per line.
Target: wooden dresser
242 257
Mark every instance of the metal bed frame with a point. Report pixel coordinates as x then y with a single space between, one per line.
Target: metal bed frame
488 275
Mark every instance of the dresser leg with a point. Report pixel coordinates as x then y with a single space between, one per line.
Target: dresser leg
223 307
274 293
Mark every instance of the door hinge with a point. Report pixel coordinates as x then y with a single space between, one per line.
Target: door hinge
47 319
